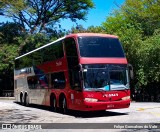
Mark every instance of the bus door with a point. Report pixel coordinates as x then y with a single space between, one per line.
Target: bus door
76 92
73 70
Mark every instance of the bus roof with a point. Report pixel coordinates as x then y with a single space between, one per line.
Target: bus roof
70 35
93 34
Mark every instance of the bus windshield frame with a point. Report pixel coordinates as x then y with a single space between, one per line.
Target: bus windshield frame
105 77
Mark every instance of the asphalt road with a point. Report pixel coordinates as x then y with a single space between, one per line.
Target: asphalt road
12 112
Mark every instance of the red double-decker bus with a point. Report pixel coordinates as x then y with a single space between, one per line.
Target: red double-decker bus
85 72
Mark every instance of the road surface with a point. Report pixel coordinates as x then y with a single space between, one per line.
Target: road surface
12 112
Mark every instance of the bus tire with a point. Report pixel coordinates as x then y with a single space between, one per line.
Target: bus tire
26 100
64 106
53 103
21 99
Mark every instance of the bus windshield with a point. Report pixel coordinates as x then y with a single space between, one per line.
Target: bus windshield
107 78
92 46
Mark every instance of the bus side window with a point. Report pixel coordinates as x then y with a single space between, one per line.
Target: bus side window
33 82
71 53
43 80
58 80
74 79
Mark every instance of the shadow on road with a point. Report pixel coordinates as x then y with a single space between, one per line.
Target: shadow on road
81 114
93 114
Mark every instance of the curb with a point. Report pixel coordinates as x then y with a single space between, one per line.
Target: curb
7 98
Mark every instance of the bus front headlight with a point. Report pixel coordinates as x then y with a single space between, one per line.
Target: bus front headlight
90 100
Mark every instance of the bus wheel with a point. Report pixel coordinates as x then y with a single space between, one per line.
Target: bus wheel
53 103
26 101
21 99
64 106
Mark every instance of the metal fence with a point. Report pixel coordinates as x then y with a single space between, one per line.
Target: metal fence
7 93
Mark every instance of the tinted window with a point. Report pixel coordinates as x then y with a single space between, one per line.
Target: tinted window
23 62
74 78
49 53
33 82
53 52
58 80
100 47
37 57
17 62
39 81
71 53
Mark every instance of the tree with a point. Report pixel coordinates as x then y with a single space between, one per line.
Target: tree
7 56
149 59
9 45
17 4
90 29
9 32
12 44
143 12
137 25
33 41
36 15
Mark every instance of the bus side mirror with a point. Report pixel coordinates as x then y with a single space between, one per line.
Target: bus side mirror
130 67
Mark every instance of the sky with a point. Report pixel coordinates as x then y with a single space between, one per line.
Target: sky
95 16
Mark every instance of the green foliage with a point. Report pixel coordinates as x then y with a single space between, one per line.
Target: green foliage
136 23
18 4
32 42
146 13
91 29
149 56
7 56
9 32
95 29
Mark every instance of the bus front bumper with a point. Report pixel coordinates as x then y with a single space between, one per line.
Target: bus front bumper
95 106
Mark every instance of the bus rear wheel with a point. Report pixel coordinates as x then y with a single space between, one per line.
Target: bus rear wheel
53 103
21 99
26 100
64 106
